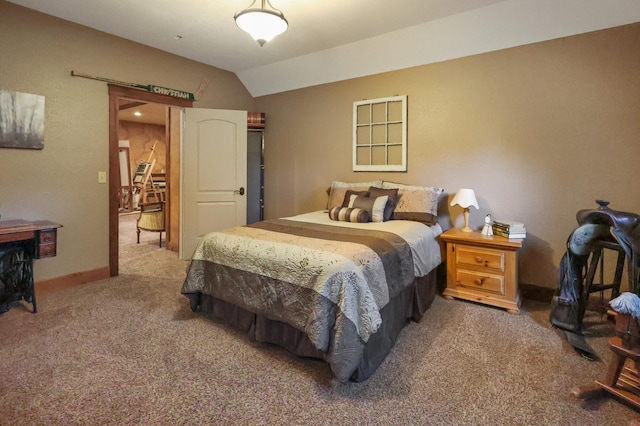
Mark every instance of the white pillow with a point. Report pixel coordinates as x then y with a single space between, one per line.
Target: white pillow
419 203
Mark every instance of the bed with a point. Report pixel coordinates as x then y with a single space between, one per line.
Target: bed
318 286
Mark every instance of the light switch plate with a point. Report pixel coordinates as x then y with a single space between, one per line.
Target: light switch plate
102 177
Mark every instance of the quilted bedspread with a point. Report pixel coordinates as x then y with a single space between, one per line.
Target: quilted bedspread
327 279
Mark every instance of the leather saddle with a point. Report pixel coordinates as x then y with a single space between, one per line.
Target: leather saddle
601 224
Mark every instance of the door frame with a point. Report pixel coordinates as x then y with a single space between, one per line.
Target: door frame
115 93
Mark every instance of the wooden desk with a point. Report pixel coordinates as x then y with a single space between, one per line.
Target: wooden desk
22 241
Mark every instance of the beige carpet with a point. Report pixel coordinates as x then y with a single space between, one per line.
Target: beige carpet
128 351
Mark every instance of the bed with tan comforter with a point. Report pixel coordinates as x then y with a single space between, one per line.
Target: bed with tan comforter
338 291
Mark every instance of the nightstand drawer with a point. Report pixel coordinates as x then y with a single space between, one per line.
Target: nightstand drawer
47 243
46 250
485 258
48 236
481 282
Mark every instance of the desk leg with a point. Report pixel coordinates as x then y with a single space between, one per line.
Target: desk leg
29 294
16 273
33 289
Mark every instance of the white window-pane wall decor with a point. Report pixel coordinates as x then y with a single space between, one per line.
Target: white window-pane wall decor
380 134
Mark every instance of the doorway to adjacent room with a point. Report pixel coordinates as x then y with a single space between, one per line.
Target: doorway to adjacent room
124 97
142 145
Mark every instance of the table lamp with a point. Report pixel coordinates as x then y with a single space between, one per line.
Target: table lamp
465 198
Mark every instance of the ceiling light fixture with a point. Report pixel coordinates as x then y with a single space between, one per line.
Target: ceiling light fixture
263 24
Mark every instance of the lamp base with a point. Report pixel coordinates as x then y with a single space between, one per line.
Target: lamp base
466 227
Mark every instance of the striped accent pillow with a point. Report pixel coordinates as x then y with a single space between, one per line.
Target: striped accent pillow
345 214
373 206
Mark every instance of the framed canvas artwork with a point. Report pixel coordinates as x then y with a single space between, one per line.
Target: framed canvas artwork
21 120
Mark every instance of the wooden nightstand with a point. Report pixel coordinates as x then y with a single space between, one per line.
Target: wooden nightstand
483 269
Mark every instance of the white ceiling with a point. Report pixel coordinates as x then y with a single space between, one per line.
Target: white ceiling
147 113
330 40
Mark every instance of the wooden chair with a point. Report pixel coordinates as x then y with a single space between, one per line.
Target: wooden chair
151 219
622 378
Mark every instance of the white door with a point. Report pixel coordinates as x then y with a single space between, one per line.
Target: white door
213 174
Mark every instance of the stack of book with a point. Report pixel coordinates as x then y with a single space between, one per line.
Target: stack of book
509 229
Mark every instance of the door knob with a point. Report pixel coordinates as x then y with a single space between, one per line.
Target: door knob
239 191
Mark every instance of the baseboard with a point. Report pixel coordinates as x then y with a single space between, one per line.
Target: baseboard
172 246
71 280
534 292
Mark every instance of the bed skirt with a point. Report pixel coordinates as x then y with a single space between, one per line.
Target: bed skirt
406 306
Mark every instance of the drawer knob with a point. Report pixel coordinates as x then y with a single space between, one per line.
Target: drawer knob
479 259
479 281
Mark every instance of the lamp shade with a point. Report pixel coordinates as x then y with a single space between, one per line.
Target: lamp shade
261 23
465 198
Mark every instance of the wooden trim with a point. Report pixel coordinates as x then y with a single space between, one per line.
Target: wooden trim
115 93
173 181
17 236
141 95
71 280
114 181
167 187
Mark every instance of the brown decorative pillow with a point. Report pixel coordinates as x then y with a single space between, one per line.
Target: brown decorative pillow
338 189
374 206
346 214
349 193
418 203
392 193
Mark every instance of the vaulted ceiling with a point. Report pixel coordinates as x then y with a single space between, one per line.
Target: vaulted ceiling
332 40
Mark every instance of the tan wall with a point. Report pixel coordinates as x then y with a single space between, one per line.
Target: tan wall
144 137
539 131
59 183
